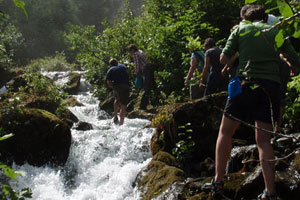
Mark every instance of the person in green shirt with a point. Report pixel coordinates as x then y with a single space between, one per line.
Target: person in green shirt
254 92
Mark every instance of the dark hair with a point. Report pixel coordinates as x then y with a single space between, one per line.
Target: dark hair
244 10
132 47
113 62
209 43
256 13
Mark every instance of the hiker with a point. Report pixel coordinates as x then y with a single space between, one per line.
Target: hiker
212 80
197 62
254 89
144 69
117 79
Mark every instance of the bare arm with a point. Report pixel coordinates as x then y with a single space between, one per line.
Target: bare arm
229 64
191 70
224 59
205 69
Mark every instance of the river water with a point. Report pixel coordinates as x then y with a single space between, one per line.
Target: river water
103 162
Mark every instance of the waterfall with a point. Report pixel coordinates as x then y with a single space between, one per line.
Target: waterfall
103 162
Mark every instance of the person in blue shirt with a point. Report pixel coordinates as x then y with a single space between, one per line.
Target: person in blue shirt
117 78
197 62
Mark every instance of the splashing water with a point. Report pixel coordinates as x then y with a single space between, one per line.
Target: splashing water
103 162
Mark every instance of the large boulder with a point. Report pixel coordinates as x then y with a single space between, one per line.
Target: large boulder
39 137
197 124
159 175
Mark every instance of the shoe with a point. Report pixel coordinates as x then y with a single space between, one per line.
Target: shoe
214 187
267 195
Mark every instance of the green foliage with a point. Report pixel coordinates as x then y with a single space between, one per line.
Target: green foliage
56 63
161 31
292 109
185 147
5 136
47 20
194 43
38 85
10 41
21 5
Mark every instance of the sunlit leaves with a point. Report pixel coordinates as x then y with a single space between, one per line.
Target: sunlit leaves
10 173
279 39
21 5
6 136
284 8
297 30
250 1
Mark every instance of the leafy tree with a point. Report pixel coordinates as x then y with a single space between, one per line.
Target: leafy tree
10 40
161 31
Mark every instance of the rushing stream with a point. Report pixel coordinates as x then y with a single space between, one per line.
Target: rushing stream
103 162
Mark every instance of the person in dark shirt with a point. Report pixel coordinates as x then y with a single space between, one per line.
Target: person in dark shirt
117 78
144 68
212 80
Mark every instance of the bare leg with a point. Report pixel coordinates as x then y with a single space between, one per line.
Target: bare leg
266 153
122 114
116 110
223 146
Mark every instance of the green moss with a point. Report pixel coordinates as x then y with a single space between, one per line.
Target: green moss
159 176
41 113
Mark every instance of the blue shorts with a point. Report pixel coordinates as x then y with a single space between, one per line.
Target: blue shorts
254 102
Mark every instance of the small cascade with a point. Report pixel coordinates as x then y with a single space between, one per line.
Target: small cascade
103 162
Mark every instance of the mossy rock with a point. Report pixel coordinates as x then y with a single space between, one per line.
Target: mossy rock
71 102
203 118
159 176
39 138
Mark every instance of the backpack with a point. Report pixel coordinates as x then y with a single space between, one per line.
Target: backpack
200 57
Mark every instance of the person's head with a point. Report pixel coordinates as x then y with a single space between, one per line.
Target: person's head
132 48
256 13
244 10
209 43
113 62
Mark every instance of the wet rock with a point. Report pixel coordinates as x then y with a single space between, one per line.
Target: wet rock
84 126
107 105
159 175
39 138
72 101
203 116
73 83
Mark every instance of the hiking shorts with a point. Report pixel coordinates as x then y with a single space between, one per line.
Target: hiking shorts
254 102
121 93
